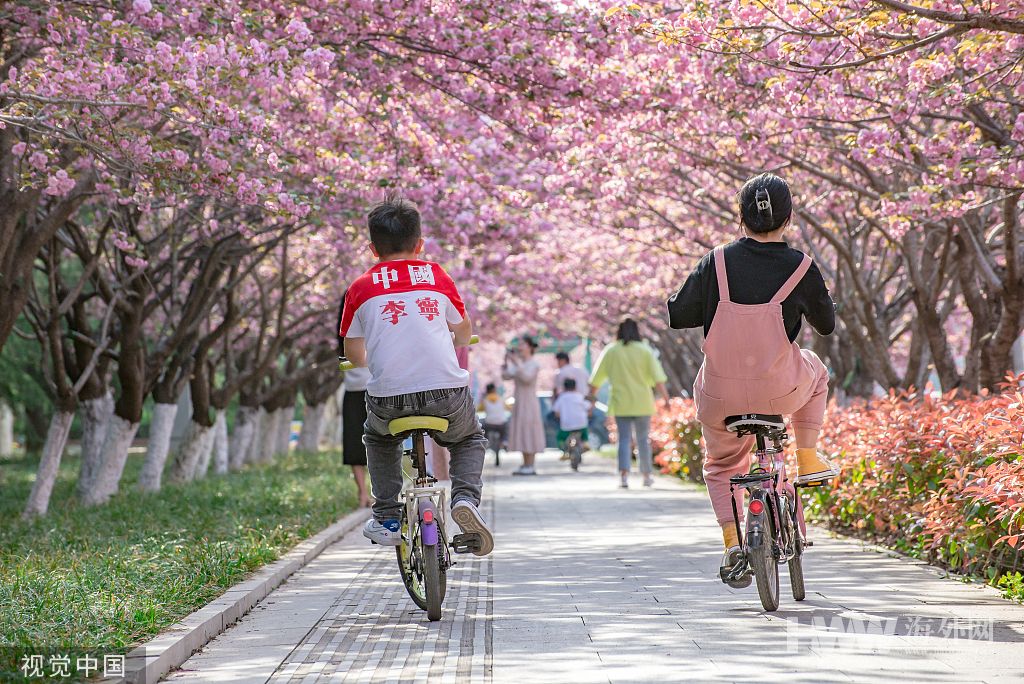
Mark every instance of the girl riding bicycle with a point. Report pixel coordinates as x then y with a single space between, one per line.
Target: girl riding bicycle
751 297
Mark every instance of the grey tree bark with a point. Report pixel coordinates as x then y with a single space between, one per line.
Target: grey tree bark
6 430
243 441
186 459
312 427
268 435
284 431
221 444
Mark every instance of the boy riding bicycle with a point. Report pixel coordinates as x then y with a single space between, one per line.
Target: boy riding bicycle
403 318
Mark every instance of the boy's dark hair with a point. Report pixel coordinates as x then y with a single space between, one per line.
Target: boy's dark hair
490 387
394 226
569 384
562 356
765 203
628 331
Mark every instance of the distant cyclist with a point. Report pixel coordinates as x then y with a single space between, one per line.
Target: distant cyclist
399 317
573 412
495 418
751 296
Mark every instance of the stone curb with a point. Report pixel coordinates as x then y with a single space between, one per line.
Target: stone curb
149 662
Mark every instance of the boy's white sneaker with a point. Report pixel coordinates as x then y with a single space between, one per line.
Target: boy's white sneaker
388 533
467 517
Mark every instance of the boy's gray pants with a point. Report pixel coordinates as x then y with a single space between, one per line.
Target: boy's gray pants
464 438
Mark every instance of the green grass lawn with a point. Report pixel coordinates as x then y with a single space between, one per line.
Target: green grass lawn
108 578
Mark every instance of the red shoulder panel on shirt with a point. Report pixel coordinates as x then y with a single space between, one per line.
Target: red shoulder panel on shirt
396 277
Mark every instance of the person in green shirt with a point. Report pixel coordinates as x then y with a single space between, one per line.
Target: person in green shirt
633 370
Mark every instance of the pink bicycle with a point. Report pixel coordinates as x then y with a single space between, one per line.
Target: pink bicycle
775 533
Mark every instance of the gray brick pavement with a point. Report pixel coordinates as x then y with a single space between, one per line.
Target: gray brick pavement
589 583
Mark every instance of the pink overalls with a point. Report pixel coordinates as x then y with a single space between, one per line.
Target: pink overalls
750 366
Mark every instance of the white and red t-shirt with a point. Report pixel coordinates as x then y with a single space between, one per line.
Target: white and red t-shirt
403 308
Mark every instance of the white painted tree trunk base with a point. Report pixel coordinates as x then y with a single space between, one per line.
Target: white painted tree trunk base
242 439
205 453
220 443
268 435
284 431
115 452
95 415
6 430
312 426
186 460
159 445
49 462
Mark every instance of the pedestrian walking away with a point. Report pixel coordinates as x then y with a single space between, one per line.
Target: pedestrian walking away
353 417
634 372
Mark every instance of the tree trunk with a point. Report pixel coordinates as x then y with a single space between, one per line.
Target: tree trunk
332 421
312 422
95 414
242 439
115 451
49 463
159 445
284 431
6 430
268 435
220 443
205 454
186 459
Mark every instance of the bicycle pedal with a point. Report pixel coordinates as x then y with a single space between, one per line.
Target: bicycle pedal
466 543
808 543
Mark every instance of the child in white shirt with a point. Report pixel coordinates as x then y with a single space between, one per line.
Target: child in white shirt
573 412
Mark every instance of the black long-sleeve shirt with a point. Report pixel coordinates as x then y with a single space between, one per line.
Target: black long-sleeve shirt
756 271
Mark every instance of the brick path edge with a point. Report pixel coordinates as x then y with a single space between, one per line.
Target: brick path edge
150 661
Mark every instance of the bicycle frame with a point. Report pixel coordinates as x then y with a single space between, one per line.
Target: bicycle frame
425 503
768 484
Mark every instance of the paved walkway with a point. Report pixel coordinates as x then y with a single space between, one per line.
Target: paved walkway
590 583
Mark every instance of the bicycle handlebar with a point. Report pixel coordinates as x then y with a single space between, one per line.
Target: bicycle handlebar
346 365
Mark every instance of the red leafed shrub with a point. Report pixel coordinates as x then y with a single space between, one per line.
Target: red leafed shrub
676 441
939 477
942 477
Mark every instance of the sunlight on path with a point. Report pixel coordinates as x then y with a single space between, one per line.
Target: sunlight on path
590 583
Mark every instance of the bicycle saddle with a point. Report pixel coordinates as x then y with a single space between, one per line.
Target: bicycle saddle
413 423
754 421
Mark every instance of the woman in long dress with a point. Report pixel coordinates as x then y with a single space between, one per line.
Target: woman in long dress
526 431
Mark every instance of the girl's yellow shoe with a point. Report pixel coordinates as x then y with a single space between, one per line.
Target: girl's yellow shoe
813 467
